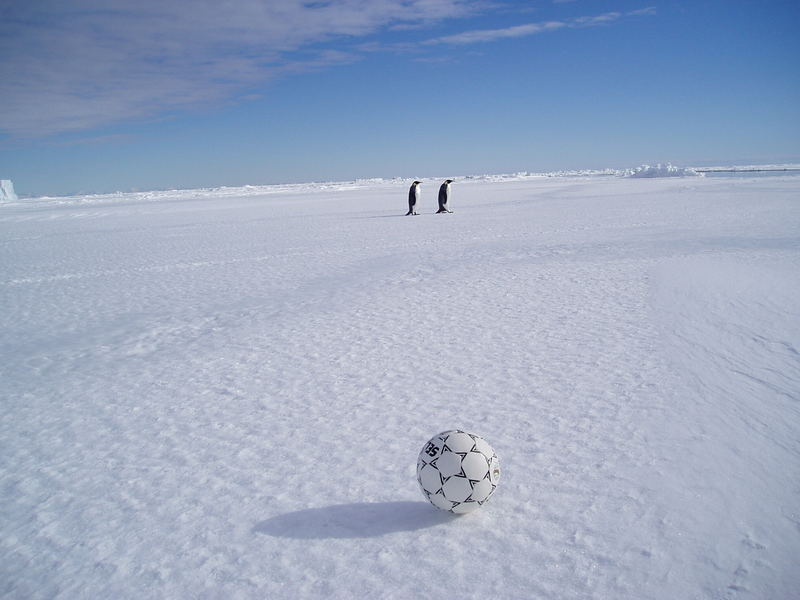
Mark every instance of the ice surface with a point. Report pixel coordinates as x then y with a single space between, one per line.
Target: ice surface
222 393
7 191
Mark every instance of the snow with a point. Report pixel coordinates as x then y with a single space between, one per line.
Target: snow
7 191
222 393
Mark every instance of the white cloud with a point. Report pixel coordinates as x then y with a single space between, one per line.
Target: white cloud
71 66
83 64
490 35
647 11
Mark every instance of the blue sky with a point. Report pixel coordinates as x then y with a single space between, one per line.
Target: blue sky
103 95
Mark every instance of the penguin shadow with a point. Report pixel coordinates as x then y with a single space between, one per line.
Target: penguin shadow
392 216
357 520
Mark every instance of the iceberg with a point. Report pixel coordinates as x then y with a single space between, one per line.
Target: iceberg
7 191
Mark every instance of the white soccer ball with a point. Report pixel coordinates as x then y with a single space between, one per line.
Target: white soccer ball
457 471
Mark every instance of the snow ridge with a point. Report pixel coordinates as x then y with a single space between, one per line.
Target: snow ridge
667 170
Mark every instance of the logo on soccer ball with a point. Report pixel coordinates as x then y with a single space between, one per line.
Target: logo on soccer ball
457 471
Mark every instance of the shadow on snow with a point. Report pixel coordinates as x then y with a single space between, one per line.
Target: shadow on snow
357 520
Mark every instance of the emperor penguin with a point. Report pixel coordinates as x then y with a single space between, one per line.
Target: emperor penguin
413 196
444 197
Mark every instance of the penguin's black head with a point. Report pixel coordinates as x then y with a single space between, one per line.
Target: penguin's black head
416 183
449 180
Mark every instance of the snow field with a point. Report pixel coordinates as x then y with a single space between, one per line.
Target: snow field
212 395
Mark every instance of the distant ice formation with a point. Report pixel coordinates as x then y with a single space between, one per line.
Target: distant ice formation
7 191
660 170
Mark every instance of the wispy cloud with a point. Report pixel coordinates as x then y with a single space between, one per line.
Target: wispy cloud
84 64
490 35
71 66
647 11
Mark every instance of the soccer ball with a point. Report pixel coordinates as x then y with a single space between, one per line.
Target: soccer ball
457 471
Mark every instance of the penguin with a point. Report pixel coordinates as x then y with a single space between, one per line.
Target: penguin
413 196
444 197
